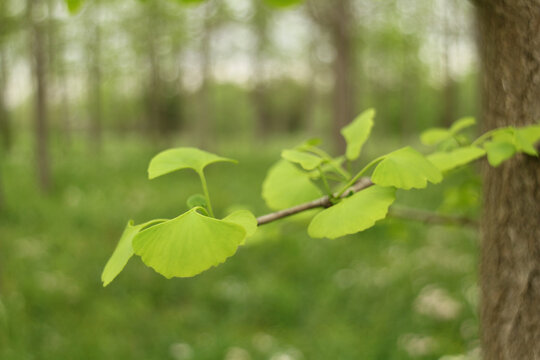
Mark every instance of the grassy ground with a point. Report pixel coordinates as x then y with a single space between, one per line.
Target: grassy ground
398 291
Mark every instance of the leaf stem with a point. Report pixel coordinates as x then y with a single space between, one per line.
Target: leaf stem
206 193
346 175
358 176
325 182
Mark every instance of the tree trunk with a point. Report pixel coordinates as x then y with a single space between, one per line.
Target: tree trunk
38 44
510 264
343 106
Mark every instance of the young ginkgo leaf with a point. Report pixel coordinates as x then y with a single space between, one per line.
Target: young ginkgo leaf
196 200
188 245
353 214
499 151
435 136
244 218
182 158
448 160
285 185
357 133
462 124
306 160
123 251
405 169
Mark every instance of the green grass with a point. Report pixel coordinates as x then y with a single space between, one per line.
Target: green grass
397 291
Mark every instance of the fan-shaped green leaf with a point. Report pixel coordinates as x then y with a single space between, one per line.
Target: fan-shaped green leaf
435 136
499 151
406 168
305 160
285 185
353 214
525 139
244 218
123 251
182 158
357 133
188 245
461 124
445 161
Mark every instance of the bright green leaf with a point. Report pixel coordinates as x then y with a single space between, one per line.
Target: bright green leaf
406 168
435 136
188 245
182 158
244 218
445 161
305 160
357 133
353 214
499 151
123 251
525 139
461 124
285 185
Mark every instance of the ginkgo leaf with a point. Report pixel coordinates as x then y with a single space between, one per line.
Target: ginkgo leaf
525 139
306 160
461 124
244 218
499 151
188 245
182 158
123 251
406 168
285 185
357 133
353 214
435 136
445 161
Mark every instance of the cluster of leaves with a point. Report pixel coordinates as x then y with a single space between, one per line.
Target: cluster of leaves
196 240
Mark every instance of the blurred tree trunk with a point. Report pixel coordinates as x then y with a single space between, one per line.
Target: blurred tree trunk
94 92
5 124
259 93
205 120
510 266
336 18
38 49
450 89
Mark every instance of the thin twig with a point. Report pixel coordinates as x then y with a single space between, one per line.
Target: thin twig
323 202
424 216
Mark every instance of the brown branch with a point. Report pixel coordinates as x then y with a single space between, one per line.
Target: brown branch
323 202
424 216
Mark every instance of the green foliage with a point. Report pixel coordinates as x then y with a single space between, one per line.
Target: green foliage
188 245
449 160
353 214
195 241
123 251
306 160
286 185
357 133
182 158
282 3
406 169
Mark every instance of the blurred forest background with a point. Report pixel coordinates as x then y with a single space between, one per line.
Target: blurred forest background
86 99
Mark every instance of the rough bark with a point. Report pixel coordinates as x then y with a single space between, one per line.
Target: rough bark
510 266
38 48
